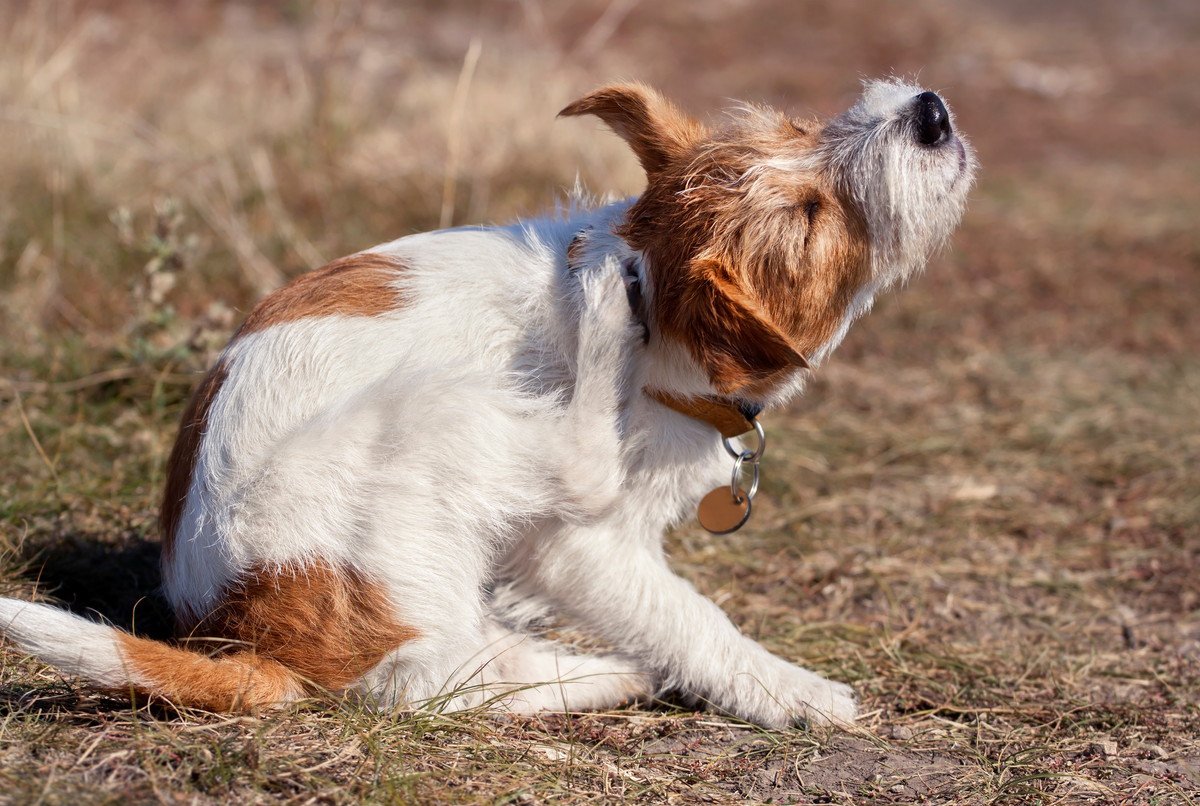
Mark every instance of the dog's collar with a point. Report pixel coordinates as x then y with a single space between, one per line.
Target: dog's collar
731 418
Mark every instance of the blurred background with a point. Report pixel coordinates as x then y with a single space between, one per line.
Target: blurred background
1000 464
285 134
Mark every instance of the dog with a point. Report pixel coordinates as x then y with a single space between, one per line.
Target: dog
401 462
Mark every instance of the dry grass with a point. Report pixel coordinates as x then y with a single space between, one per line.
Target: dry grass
985 514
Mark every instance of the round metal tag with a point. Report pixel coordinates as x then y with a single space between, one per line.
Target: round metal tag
720 513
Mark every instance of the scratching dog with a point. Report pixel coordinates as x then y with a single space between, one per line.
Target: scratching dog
402 461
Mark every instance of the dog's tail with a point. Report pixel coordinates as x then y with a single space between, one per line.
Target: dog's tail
119 662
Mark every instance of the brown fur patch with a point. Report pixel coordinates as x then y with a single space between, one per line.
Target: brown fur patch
657 131
754 265
327 625
182 461
727 330
240 681
358 285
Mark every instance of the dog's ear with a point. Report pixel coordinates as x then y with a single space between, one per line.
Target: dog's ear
727 331
656 130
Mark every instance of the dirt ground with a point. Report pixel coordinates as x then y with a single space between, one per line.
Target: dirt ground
983 515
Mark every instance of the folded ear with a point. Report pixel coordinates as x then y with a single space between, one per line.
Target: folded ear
655 129
727 331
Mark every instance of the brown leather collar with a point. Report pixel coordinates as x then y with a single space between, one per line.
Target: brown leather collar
728 417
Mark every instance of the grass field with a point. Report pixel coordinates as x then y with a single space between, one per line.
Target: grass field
985 514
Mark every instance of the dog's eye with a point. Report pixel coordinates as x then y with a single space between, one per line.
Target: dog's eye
810 211
810 208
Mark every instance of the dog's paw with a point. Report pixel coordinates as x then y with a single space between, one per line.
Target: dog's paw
585 683
795 695
605 311
825 702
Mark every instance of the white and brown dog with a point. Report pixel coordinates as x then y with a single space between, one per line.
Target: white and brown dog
404 458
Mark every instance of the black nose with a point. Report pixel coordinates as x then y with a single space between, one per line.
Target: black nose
932 119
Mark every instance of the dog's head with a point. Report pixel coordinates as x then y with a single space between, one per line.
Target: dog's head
765 237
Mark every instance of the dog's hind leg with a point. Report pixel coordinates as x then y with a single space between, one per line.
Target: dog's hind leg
592 464
518 673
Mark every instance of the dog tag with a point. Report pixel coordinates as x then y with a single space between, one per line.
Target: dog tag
720 513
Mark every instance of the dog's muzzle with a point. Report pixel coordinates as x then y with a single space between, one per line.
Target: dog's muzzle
931 121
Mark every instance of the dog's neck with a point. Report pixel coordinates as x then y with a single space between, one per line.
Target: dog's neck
729 416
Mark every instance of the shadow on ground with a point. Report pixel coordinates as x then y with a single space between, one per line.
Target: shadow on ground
92 576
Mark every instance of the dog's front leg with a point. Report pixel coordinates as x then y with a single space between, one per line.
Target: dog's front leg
624 590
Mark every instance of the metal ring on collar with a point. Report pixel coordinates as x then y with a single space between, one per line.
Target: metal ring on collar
757 454
735 478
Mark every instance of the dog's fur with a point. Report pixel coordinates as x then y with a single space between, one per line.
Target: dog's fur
403 460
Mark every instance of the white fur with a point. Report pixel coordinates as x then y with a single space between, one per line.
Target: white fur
65 641
486 453
913 195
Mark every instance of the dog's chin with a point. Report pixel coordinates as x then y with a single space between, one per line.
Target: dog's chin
966 164
780 389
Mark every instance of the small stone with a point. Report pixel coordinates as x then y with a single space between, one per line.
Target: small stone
900 732
975 491
1146 783
1106 747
